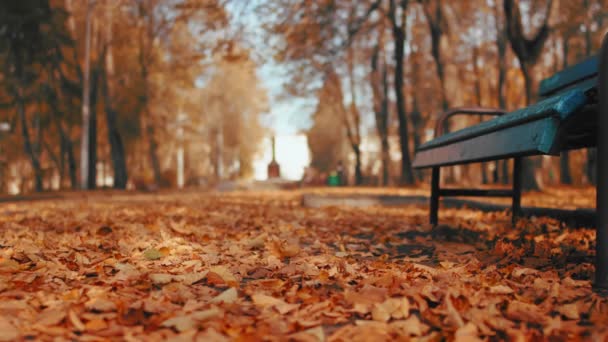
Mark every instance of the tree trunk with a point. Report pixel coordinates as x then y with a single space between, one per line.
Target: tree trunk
529 180
380 88
92 145
564 168
86 117
153 154
501 47
505 172
358 173
483 166
72 167
117 150
29 148
386 160
528 52
407 176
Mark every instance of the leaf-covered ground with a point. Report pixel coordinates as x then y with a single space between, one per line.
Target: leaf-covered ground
258 266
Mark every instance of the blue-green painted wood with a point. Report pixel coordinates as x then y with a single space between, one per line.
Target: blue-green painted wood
565 78
557 106
528 138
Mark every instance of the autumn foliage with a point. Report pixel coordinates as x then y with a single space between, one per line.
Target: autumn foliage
253 266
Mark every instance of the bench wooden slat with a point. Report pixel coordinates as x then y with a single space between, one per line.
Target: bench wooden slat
532 137
558 106
565 78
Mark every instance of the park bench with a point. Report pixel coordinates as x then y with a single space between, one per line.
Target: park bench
566 117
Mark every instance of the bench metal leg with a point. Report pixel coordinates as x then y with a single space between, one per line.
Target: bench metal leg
516 205
435 196
601 245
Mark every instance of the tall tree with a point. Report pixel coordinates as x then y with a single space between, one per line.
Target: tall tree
26 28
380 89
352 118
117 149
86 159
528 51
397 14
501 69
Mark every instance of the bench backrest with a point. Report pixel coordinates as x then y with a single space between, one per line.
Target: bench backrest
575 74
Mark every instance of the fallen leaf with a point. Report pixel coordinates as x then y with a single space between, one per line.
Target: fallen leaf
468 332
525 312
160 278
228 296
268 301
224 274
190 278
153 254
105 230
8 266
315 334
212 335
570 311
206 314
51 316
96 325
100 305
258 242
501 289
180 323
76 322
8 332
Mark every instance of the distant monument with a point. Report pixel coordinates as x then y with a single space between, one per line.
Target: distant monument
274 170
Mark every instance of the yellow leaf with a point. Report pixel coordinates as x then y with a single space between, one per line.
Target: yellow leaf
153 254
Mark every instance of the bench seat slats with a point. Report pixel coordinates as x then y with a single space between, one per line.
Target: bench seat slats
532 137
558 106
574 74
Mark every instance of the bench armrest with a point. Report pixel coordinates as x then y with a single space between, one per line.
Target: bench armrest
439 126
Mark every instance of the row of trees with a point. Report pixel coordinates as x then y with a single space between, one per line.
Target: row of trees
393 65
126 83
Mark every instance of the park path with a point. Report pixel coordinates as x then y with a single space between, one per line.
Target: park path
253 265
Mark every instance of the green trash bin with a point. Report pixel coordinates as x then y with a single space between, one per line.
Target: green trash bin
333 179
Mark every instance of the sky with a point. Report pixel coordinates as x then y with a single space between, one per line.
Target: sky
287 115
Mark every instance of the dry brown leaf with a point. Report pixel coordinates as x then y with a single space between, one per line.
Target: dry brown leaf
268 301
468 332
8 332
410 327
96 325
206 314
501 289
100 305
224 274
315 334
525 312
160 278
180 323
51 316
76 322
228 296
570 311
190 278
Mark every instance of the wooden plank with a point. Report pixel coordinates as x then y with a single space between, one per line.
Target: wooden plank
569 76
475 193
531 138
558 106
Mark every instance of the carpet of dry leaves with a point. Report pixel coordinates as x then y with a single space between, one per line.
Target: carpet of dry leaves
259 266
